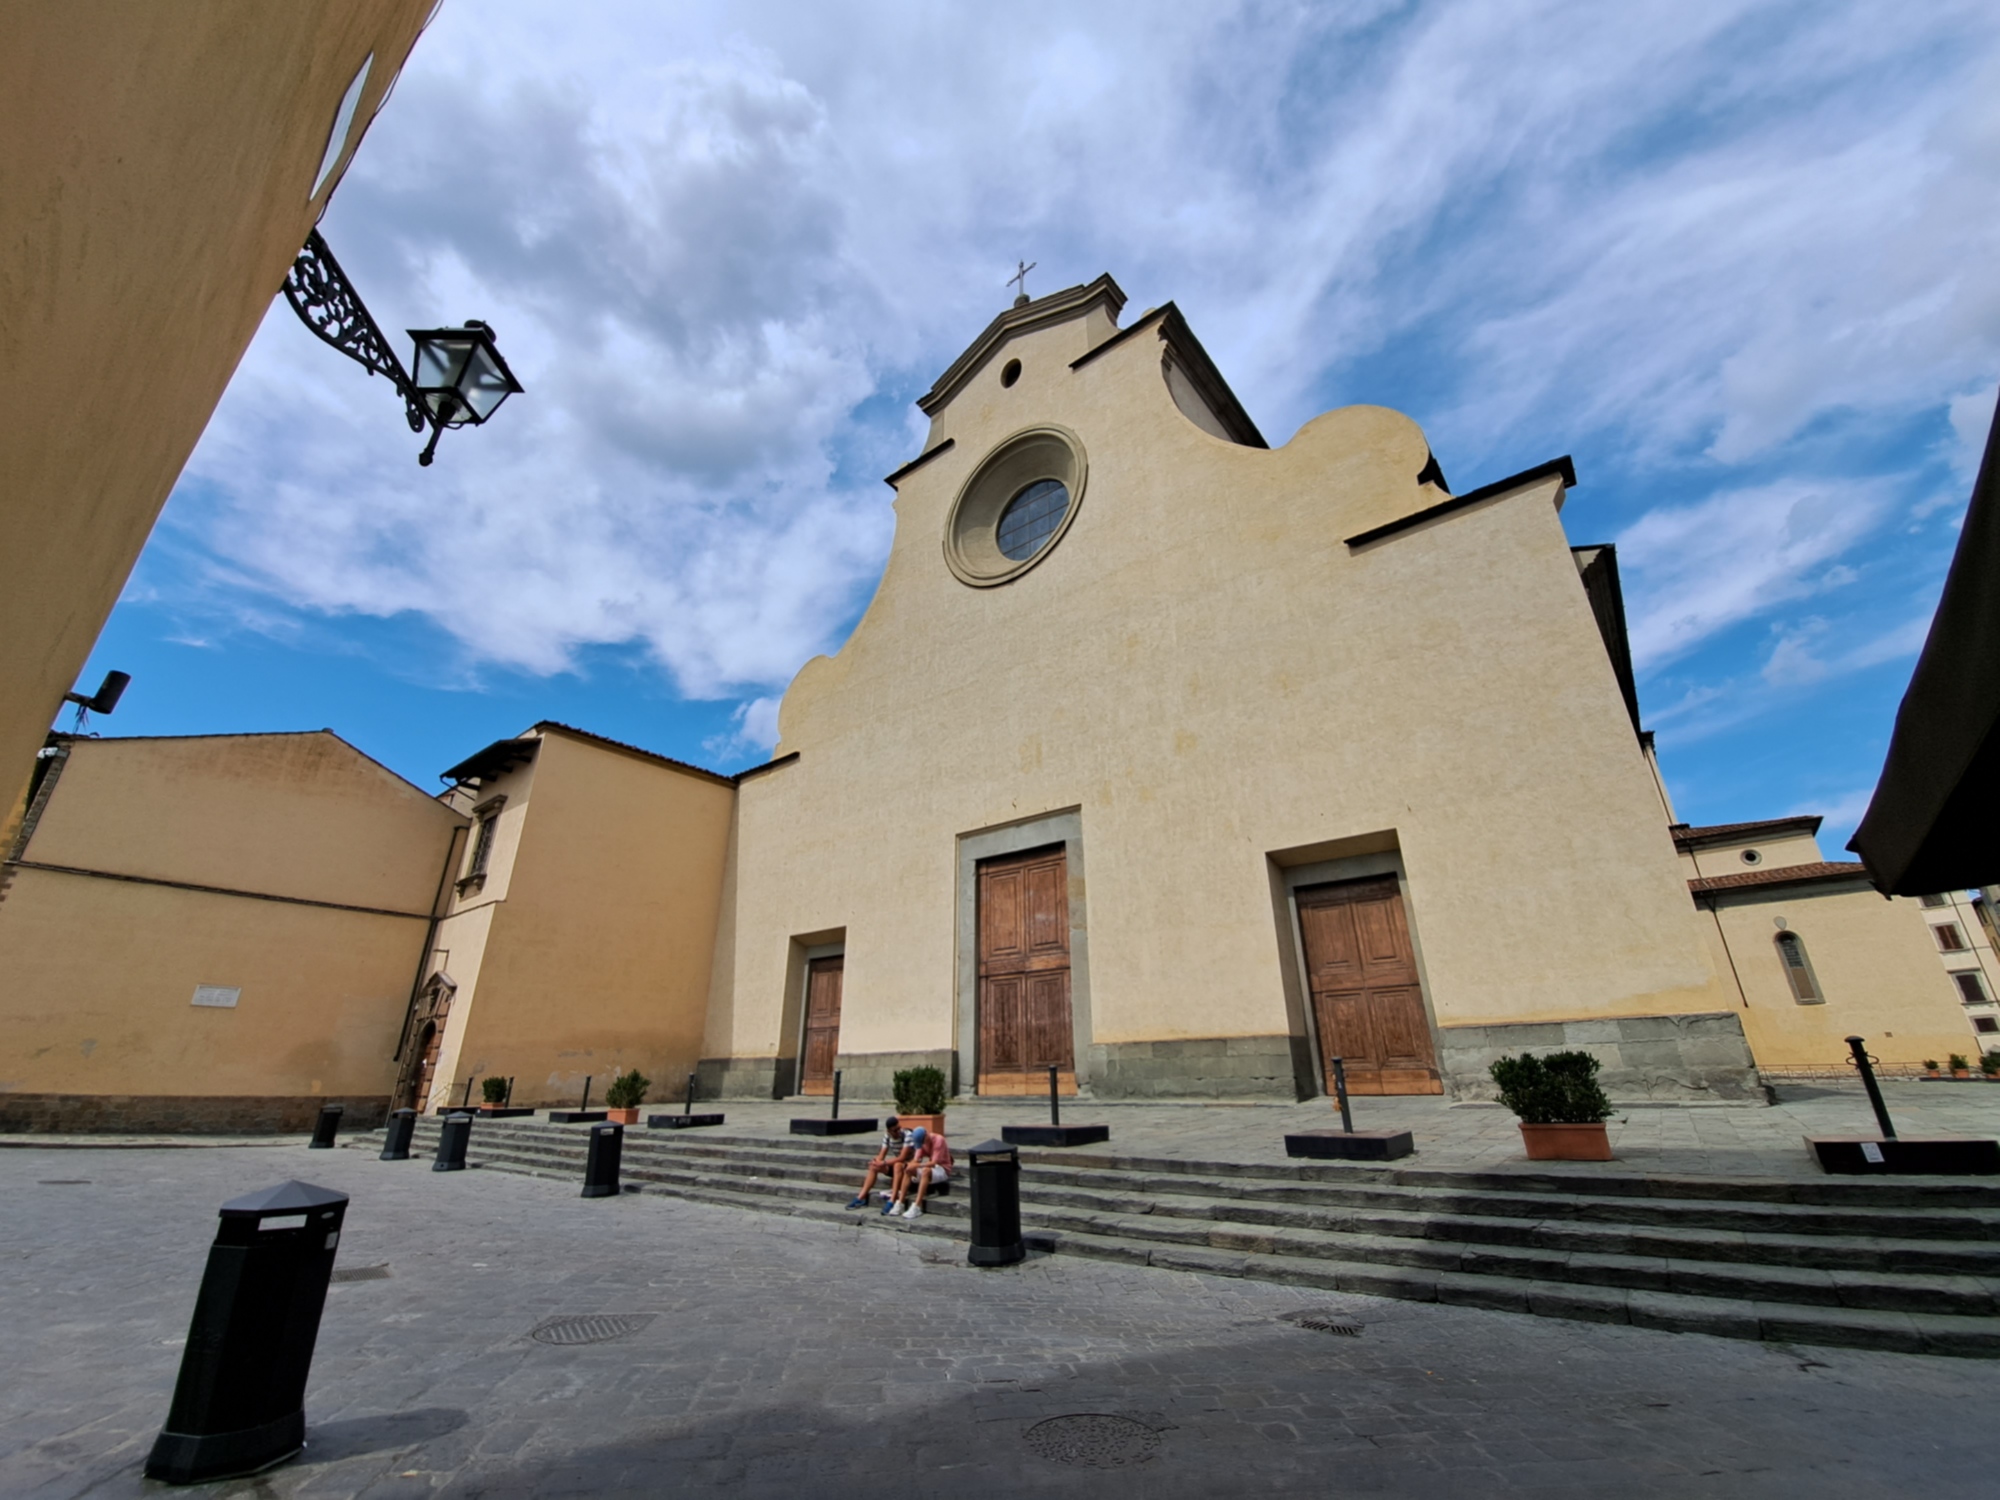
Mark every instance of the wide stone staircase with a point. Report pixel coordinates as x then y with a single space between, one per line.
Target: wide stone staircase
1905 1265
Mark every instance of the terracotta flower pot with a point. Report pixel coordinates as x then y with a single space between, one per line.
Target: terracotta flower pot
1961 1072
623 1116
933 1123
1566 1142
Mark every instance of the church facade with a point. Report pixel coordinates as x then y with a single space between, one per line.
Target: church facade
1234 760
1172 762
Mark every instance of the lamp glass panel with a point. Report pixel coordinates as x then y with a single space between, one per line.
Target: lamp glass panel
441 362
484 386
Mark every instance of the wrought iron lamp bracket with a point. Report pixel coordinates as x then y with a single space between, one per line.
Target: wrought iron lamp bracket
327 303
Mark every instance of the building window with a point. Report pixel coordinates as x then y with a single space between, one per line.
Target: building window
1798 970
1983 1024
1937 900
1970 990
1949 938
487 816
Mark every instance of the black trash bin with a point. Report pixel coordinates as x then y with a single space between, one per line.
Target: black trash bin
328 1126
453 1134
396 1139
600 1169
239 1405
995 1168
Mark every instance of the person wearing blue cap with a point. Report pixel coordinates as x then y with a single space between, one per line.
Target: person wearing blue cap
927 1162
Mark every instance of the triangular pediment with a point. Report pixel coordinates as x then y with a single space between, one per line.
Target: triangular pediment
1025 317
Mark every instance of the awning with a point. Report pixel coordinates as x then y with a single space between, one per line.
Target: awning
1934 822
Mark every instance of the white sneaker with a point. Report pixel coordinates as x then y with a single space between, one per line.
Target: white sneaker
916 1211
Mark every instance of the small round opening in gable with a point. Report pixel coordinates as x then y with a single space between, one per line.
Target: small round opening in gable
1010 372
1752 857
1015 508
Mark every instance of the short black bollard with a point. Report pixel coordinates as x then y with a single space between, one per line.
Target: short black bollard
328 1126
1340 1091
453 1135
600 1168
995 1167
396 1138
239 1405
1865 1064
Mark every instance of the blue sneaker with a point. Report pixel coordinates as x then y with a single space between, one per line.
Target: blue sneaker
888 1207
859 1203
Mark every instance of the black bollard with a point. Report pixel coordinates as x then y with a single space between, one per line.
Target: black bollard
396 1139
453 1134
1340 1089
239 1405
833 1124
836 1096
328 1126
1055 1108
600 1169
466 1103
690 1100
507 1099
995 1168
586 1095
1858 1046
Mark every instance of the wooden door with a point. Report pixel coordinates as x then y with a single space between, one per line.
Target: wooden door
1024 1018
1362 971
823 978
429 1045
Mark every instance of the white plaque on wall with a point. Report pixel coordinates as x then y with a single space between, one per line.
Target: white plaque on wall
216 995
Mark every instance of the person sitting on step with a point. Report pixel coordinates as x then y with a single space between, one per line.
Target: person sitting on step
892 1150
928 1162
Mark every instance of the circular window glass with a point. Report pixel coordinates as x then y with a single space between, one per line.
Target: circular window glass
1752 857
1032 517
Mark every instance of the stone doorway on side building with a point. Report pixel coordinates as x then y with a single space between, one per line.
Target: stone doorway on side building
824 977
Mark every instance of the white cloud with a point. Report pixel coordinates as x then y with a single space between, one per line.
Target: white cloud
709 233
753 728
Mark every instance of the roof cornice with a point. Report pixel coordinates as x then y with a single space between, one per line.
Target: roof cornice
1042 312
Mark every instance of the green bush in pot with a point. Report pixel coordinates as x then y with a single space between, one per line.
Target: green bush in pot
628 1090
919 1091
1559 1088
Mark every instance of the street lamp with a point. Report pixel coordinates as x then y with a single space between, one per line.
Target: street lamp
460 377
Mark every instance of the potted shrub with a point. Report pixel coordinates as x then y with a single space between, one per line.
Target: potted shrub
626 1094
493 1091
920 1098
1561 1108
1960 1068
1930 1067
1989 1065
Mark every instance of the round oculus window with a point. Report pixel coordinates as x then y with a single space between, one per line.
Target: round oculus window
1031 518
1014 509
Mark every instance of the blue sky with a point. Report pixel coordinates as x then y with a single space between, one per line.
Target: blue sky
1735 258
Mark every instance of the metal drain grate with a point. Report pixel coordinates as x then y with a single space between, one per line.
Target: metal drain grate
1325 1322
1093 1440
589 1328
363 1273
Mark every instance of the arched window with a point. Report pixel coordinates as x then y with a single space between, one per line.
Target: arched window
1798 969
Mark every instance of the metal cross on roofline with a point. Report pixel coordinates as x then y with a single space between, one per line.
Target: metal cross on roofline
1020 278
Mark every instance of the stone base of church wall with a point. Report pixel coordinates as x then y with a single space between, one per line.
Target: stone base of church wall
868 1076
742 1077
182 1114
1680 1059
1233 1067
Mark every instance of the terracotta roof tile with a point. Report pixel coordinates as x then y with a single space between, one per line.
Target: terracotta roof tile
1782 875
1687 837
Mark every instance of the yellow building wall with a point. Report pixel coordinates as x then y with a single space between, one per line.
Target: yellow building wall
601 926
1206 672
1874 962
157 169
289 866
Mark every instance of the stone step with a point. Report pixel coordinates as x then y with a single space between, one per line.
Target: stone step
1744 1232
1377 1241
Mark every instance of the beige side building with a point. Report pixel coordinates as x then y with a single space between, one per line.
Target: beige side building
212 933
1968 946
580 925
160 167
1180 763
1815 953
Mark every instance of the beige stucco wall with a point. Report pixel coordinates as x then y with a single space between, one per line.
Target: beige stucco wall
1872 959
157 165
599 917
1713 860
102 940
1205 671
